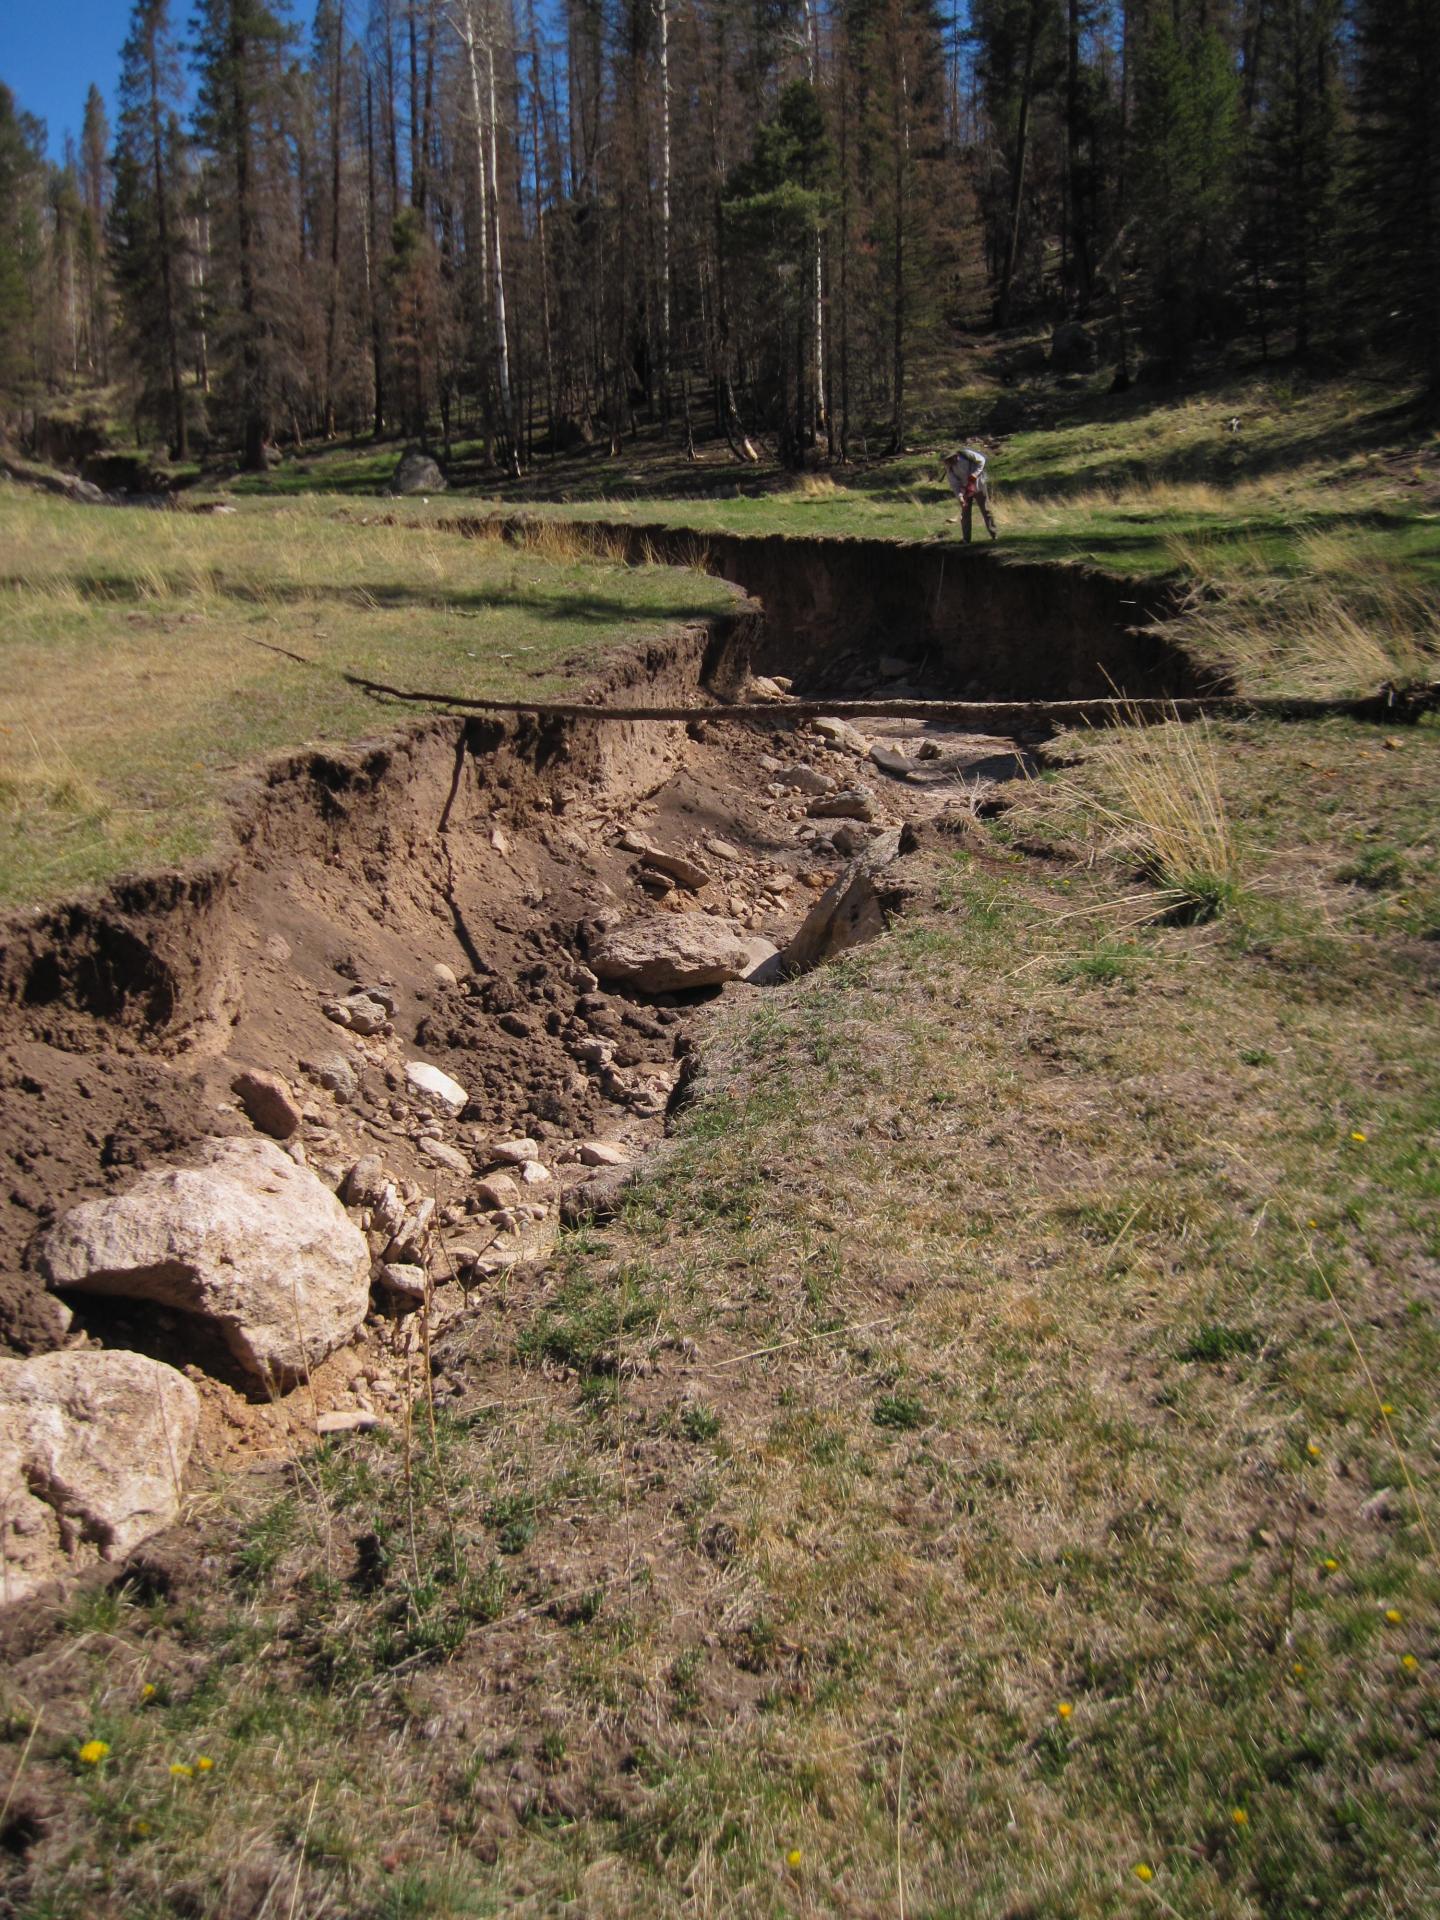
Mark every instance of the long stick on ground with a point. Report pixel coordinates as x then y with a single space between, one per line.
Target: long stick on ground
1390 705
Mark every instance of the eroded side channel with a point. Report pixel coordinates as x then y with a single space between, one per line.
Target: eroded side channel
464 874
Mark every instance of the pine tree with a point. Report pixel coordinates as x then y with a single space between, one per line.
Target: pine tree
22 176
95 191
1395 289
1186 168
240 47
146 236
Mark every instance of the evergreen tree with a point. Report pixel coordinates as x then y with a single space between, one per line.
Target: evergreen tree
146 236
1186 164
775 208
1395 283
22 175
240 47
95 192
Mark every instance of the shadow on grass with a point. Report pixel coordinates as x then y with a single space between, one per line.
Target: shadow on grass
587 608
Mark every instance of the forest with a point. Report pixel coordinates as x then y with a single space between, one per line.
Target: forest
544 224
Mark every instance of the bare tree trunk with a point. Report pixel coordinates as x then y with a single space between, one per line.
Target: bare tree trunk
332 304
167 265
663 9
1017 190
502 342
377 360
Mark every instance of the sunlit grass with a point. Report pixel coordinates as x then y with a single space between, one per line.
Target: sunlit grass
146 658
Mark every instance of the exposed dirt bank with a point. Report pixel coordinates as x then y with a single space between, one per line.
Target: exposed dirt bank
456 865
961 621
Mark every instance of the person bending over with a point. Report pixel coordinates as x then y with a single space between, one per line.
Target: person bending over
965 470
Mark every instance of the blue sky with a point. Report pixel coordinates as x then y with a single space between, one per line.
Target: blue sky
51 50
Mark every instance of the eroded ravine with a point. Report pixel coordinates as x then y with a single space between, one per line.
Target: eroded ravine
463 870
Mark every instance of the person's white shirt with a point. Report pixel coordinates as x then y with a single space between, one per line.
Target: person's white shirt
961 467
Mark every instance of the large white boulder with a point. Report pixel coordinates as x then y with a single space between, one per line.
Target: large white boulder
246 1240
93 1448
669 952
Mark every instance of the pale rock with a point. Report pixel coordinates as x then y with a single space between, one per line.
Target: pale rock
811 780
852 803
497 1190
853 836
847 913
534 1174
513 1153
387 1211
594 1053
444 976
841 734
364 1181
387 997
408 1244
601 1153
444 1155
335 1073
245 1240
359 1012
500 840
438 1085
403 1280
93 1449
762 687
356 1421
267 1102
671 952
689 873
722 849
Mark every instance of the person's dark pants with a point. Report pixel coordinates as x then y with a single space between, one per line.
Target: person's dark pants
981 494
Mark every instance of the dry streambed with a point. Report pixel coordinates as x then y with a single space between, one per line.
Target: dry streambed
269 1127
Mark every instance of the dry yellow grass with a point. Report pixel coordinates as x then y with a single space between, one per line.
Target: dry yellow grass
1347 621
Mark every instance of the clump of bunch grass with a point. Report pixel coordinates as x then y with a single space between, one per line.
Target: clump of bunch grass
1155 793
1345 625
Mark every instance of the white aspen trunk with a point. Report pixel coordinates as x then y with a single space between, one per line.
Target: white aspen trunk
465 28
812 56
502 346
663 9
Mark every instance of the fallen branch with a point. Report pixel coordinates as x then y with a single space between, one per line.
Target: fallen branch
1391 705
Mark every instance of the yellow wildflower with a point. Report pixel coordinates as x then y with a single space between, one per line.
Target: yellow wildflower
204 1764
1142 1872
1313 1450
1386 1408
179 1771
1409 1662
1299 1669
1239 1816
1392 1614
1065 1709
1331 1566
93 1752
147 1692
1359 1138
794 1857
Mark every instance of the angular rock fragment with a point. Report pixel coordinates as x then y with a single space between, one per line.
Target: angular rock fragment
431 1080
93 1448
666 953
245 1240
847 913
841 734
267 1102
851 803
444 1155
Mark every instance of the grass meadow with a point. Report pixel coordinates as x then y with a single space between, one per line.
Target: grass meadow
202 643
990 1469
